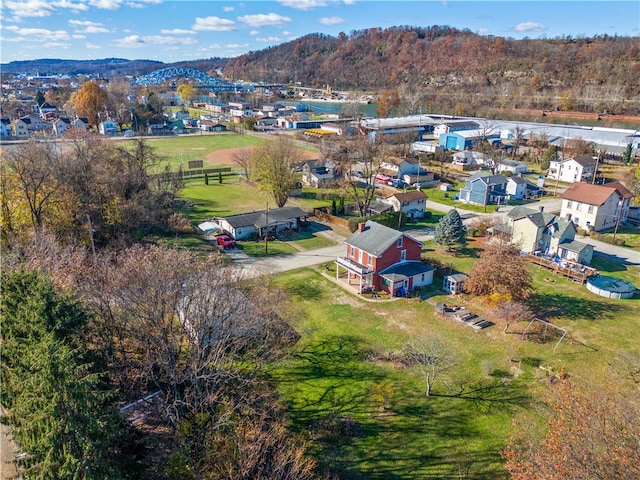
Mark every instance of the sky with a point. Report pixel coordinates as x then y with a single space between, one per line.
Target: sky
174 30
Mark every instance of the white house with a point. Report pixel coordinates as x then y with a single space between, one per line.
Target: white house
569 170
5 128
108 127
513 166
397 167
60 126
412 203
596 207
516 187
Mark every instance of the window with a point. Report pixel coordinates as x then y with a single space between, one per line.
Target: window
352 252
403 255
569 204
369 260
590 209
422 278
399 244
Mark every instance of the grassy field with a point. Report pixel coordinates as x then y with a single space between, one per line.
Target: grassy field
178 150
345 348
631 237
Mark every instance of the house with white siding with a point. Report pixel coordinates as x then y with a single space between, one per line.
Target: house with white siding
596 207
569 170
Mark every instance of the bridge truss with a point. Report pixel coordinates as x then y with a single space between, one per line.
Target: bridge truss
162 75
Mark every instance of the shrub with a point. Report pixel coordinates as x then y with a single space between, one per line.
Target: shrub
178 223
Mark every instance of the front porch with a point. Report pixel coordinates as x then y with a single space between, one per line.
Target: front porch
358 275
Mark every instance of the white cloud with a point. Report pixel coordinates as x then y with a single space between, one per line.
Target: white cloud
160 40
137 41
132 41
529 27
92 46
90 27
263 20
177 31
228 9
254 32
268 39
214 24
77 36
54 45
483 31
303 4
73 6
106 4
331 20
38 34
30 8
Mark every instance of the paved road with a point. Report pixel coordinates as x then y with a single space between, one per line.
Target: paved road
281 263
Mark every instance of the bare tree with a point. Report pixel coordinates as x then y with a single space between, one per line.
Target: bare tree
243 157
432 357
357 155
510 312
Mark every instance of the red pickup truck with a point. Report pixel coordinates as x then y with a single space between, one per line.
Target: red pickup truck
225 240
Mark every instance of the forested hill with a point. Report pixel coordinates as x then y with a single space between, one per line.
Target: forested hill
436 58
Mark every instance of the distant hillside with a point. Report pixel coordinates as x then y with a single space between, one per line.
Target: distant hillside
425 65
107 68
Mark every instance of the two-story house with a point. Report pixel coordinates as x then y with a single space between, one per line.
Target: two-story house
396 167
383 259
596 207
412 203
319 173
60 126
484 189
569 170
541 233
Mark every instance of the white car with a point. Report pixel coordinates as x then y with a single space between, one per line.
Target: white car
129 133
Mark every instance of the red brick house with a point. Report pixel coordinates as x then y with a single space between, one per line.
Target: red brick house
383 259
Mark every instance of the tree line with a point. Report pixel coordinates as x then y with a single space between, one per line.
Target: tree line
436 68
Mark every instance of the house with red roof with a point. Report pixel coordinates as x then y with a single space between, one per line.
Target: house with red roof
596 207
381 258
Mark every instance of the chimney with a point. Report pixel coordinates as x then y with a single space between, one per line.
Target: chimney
361 226
541 208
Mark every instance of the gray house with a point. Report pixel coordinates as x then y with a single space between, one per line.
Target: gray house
262 222
484 189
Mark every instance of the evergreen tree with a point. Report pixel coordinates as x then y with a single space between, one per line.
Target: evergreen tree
58 409
626 156
450 231
40 97
550 155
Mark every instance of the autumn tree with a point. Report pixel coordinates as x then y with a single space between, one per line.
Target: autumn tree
187 93
501 273
33 167
587 437
91 99
272 168
450 231
432 357
388 102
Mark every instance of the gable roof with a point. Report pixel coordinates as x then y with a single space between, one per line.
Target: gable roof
487 178
376 238
259 218
397 161
517 180
411 196
594 194
403 270
584 160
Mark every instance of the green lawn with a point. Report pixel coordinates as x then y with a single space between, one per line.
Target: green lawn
345 348
178 150
631 237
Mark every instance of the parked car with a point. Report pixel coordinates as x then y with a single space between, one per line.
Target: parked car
225 241
396 183
129 133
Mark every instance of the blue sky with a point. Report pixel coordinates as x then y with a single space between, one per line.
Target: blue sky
173 30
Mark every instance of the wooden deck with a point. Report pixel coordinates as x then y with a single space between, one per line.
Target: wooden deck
575 271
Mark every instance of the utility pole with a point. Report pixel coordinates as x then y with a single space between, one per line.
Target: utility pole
266 233
615 230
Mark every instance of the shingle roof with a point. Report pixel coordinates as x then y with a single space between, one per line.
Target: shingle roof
585 161
375 239
404 270
259 219
594 194
574 245
488 178
518 180
409 196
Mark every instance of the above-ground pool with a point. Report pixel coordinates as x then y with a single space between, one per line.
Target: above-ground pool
611 287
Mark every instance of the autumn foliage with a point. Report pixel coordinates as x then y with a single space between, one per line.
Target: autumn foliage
589 435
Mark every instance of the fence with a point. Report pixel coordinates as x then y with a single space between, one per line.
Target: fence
343 222
200 172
